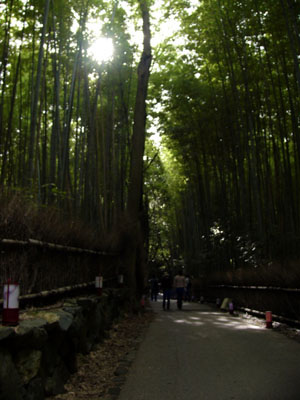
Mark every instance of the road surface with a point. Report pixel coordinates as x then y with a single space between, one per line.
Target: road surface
200 353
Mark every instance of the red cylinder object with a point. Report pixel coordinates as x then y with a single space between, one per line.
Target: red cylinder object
10 314
269 319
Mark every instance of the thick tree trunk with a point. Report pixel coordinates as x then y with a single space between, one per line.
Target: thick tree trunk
138 137
135 258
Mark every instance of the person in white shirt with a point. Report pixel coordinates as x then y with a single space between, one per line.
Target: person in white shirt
179 285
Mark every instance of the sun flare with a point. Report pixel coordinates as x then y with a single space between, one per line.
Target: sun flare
101 50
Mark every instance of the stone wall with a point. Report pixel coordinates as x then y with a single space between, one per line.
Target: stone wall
38 356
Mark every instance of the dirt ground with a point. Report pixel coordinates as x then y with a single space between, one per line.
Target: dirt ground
102 372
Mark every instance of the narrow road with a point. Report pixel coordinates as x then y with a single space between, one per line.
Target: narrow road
200 353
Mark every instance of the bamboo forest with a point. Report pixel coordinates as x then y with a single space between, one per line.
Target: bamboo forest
167 132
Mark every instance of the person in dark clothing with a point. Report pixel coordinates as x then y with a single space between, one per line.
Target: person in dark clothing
188 288
154 289
166 286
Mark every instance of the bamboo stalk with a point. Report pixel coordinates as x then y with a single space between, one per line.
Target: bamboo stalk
12 241
54 246
256 288
52 292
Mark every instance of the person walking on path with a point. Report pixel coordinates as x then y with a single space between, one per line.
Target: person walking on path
166 286
179 284
154 288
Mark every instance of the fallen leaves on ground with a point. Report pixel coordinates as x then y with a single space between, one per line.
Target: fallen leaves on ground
96 375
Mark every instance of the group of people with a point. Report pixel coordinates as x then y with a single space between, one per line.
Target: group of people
181 284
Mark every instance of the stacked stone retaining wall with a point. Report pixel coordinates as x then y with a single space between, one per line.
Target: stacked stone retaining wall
38 356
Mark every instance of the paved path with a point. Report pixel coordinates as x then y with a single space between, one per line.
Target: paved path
202 354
